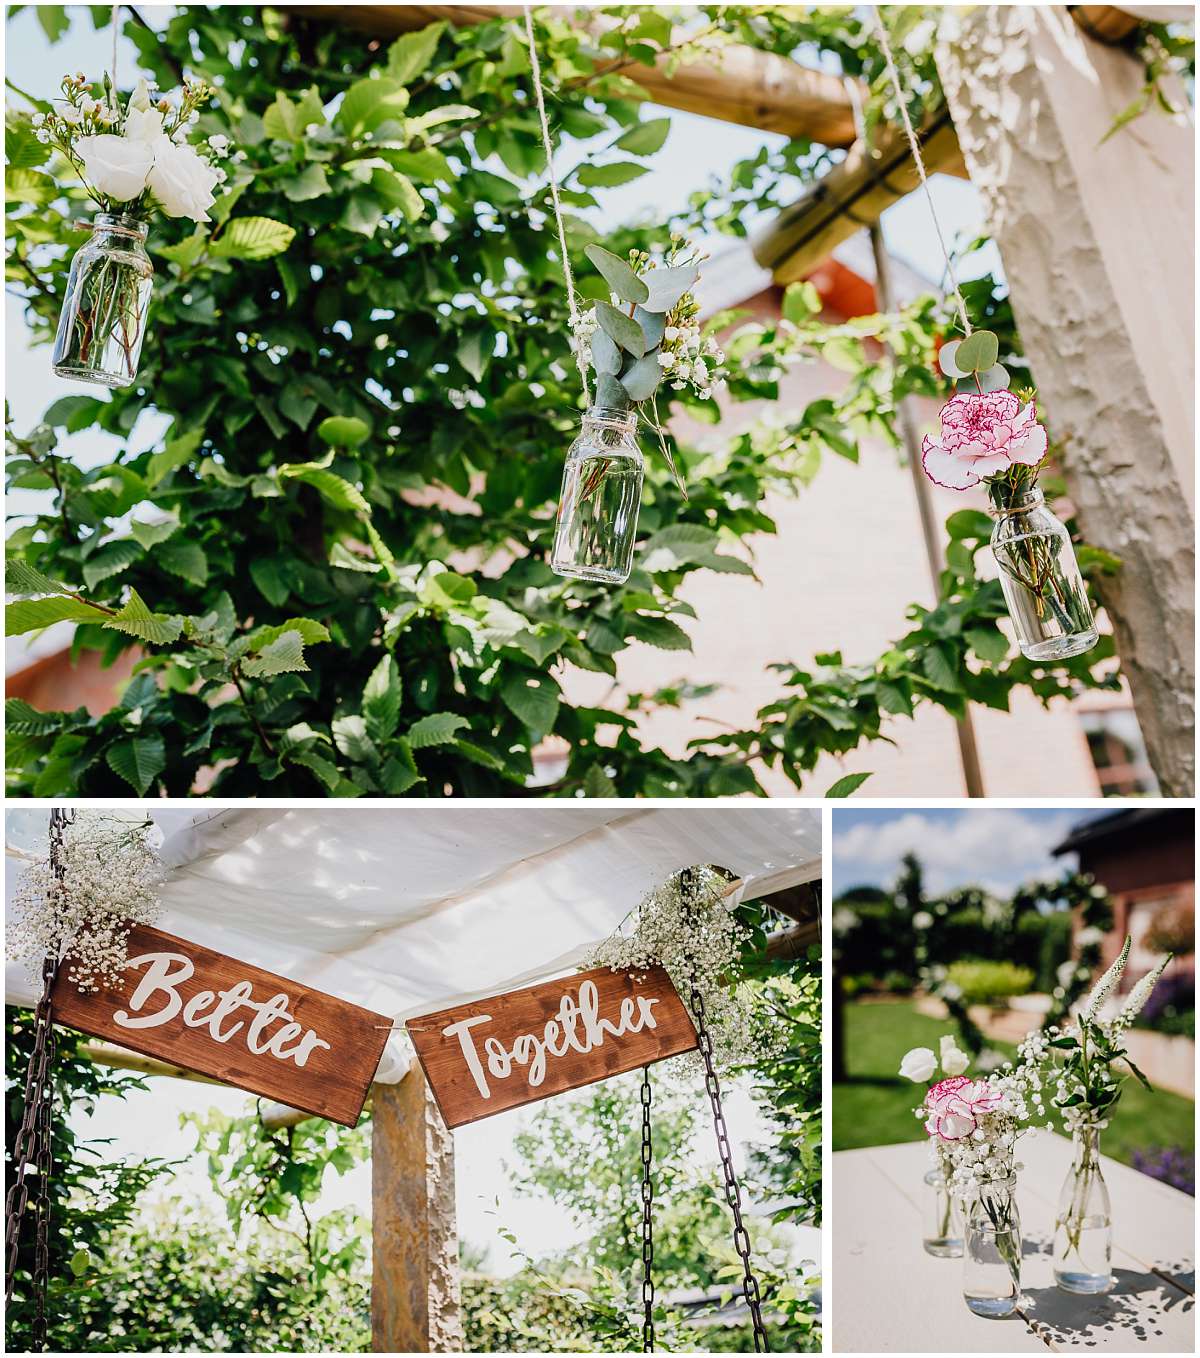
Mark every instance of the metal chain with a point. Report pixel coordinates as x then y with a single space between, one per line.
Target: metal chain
33 1144
733 1193
647 1222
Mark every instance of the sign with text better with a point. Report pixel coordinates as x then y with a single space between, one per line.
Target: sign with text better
489 1055
203 1011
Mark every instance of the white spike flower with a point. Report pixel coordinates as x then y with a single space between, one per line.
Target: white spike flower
1104 986
1138 996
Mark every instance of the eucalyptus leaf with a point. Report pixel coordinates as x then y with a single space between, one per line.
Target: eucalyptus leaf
994 379
977 352
606 357
624 329
946 359
653 323
642 377
610 392
667 286
617 274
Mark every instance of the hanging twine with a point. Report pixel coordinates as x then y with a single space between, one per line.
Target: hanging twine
539 95
914 146
112 93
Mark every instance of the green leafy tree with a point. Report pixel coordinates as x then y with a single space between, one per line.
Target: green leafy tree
333 562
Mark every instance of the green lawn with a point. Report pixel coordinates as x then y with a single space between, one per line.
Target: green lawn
874 1106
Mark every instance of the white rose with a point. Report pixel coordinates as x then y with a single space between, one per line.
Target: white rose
140 98
954 1061
181 181
918 1065
143 124
115 167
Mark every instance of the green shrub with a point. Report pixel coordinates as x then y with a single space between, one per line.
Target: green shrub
989 982
1054 949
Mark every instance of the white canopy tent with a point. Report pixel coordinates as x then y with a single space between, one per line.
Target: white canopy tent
416 908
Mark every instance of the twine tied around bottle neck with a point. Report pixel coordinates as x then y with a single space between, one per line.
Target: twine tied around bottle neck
134 233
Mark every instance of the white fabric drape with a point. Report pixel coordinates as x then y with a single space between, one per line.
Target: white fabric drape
410 909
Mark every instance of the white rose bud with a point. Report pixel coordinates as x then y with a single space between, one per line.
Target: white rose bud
954 1061
115 167
918 1065
143 125
182 182
140 98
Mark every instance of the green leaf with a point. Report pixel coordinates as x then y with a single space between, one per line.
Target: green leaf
23 719
284 655
617 274
298 403
667 286
439 728
845 786
21 578
139 761
184 558
30 614
309 629
977 352
267 573
475 352
109 560
621 328
343 431
969 523
288 120
654 326
149 535
311 182
369 102
988 643
893 699
597 783
187 252
607 177
336 489
397 190
642 378
350 736
940 670
993 379
174 455
410 55
136 619
80 1262
644 139
946 359
660 632
533 699
381 699
253 238
606 357
800 302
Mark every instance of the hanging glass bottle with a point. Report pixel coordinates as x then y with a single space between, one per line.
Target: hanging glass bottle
992 1250
1046 597
1083 1230
601 495
941 1217
103 319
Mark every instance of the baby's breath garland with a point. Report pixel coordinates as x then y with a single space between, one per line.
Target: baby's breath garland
108 880
695 937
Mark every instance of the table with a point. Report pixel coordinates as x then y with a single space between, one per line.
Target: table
887 1295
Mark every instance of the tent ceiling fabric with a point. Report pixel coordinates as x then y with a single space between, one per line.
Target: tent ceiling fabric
412 910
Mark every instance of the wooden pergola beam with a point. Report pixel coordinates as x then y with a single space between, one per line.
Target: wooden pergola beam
736 84
854 194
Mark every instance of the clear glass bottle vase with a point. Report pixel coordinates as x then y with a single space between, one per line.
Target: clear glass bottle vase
1083 1229
942 1232
992 1250
1046 597
103 320
601 494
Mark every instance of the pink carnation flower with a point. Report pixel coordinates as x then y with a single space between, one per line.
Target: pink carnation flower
982 435
956 1105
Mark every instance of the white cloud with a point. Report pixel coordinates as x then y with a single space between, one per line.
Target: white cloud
977 846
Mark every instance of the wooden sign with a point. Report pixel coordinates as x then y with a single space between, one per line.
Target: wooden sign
206 1012
489 1055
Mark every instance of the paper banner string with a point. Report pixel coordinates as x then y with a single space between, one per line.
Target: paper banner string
539 95
920 164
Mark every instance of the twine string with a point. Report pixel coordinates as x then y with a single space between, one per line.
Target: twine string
112 94
914 146
539 95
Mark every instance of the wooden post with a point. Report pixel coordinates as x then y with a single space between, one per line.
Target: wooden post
1098 242
415 1279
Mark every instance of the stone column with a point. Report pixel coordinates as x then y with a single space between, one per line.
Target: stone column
415 1277
1098 249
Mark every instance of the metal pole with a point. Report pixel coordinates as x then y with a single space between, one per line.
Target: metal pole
905 418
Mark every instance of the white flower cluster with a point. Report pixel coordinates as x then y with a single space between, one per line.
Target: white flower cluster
688 357
699 942
138 155
111 875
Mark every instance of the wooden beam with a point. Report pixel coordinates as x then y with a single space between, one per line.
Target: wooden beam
852 195
734 83
1105 23
108 1054
414 1281
785 944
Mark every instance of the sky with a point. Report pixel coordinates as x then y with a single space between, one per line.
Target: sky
990 847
